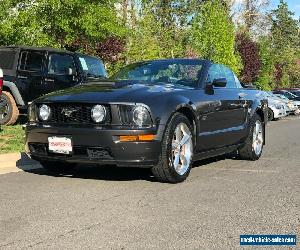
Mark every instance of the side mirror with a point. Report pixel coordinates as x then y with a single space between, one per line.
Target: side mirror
209 89
220 82
71 72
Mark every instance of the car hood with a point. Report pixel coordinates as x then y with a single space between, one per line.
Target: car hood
108 91
273 101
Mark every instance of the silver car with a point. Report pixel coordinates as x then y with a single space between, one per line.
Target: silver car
277 107
292 105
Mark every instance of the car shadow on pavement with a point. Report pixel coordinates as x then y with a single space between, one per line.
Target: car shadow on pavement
109 173
95 172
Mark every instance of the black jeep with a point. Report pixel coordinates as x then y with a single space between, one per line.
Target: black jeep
31 72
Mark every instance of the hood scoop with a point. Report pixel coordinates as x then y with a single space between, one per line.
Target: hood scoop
110 84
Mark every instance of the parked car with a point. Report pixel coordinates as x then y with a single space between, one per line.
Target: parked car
1 103
295 91
162 114
289 95
31 72
276 107
291 105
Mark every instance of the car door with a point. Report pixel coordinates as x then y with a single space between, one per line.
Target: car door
61 71
221 113
30 74
241 97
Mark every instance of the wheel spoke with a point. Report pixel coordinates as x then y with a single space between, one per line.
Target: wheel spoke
183 159
184 129
185 139
175 144
257 128
176 160
257 138
178 134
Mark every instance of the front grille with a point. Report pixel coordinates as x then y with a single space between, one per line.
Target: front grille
74 113
126 114
92 153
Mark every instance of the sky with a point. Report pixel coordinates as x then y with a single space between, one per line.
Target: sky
294 6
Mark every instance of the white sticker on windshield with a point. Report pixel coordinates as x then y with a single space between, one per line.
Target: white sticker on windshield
83 63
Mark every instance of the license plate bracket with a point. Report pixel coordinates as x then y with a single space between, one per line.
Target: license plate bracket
60 145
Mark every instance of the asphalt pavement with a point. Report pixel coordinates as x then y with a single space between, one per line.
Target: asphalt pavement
112 208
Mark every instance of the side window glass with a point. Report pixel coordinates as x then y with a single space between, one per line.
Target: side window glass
229 77
31 61
59 64
215 72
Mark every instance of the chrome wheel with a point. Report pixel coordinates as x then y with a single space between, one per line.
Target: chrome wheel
4 109
182 148
257 138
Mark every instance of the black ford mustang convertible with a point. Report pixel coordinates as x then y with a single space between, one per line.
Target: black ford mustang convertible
162 115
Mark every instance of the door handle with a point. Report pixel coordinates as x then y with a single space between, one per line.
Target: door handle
243 99
22 77
49 80
242 95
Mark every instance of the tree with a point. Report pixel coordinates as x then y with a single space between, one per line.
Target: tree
249 53
74 24
266 76
279 50
285 39
212 35
143 43
158 29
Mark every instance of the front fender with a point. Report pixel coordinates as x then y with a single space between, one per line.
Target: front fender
15 92
260 107
163 111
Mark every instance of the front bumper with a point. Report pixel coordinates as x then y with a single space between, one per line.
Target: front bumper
94 146
278 113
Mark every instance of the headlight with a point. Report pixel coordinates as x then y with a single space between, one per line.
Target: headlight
98 113
141 116
44 112
135 115
278 106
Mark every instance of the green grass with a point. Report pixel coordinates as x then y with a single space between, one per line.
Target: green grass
11 139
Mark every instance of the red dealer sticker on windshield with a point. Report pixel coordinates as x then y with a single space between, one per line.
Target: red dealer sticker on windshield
60 145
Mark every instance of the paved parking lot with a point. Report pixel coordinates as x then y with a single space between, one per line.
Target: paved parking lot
110 208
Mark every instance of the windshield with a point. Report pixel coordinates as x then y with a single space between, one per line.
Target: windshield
296 93
289 95
93 67
181 72
281 96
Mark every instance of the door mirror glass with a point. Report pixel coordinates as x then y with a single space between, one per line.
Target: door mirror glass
220 82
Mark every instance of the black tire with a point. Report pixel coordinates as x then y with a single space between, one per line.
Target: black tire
270 115
247 152
164 171
11 113
57 167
